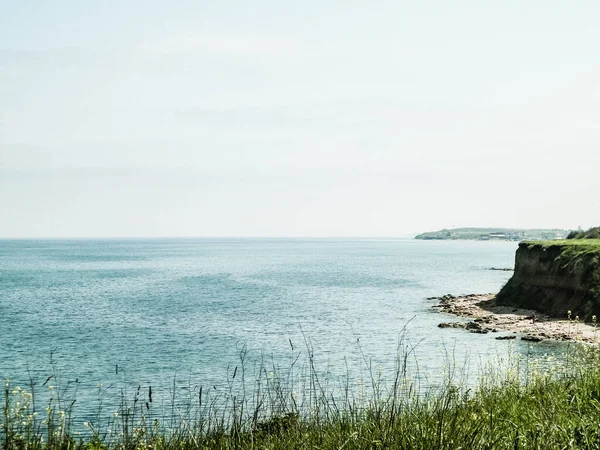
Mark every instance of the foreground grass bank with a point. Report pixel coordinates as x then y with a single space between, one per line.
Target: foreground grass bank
513 406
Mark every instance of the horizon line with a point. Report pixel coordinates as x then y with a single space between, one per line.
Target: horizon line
201 237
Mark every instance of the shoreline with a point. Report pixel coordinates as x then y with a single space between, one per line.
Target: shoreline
530 325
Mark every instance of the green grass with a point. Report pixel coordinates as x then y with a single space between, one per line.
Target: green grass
592 244
514 405
567 250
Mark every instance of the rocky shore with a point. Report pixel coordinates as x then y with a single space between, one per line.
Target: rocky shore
488 317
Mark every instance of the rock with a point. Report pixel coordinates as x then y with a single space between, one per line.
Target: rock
472 327
531 338
452 325
475 327
486 319
505 338
445 299
479 331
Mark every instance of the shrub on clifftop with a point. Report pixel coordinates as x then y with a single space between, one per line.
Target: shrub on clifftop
592 233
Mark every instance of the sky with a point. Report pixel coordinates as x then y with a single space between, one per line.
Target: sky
138 118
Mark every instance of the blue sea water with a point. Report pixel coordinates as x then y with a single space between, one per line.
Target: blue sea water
173 311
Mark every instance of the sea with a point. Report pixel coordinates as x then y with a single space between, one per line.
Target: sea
95 320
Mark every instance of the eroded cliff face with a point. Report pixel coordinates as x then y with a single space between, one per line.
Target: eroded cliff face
555 278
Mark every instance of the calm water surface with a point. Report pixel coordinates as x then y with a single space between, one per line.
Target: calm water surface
129 312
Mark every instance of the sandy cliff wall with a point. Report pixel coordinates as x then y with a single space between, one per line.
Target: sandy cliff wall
556 277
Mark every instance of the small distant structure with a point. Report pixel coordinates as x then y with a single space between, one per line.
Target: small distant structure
495 235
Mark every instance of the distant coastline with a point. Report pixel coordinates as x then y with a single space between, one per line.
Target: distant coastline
493 234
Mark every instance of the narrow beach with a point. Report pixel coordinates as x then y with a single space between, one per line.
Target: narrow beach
528 324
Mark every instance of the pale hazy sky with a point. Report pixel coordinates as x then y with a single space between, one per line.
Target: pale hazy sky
312 118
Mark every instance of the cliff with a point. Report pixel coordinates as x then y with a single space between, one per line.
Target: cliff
555 277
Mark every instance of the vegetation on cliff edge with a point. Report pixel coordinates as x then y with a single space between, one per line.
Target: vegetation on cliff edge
592 233
567 249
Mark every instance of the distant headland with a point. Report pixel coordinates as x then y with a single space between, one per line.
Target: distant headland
487 234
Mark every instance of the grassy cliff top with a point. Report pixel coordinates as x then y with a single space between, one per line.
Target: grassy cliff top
578 243
582 240
569 249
